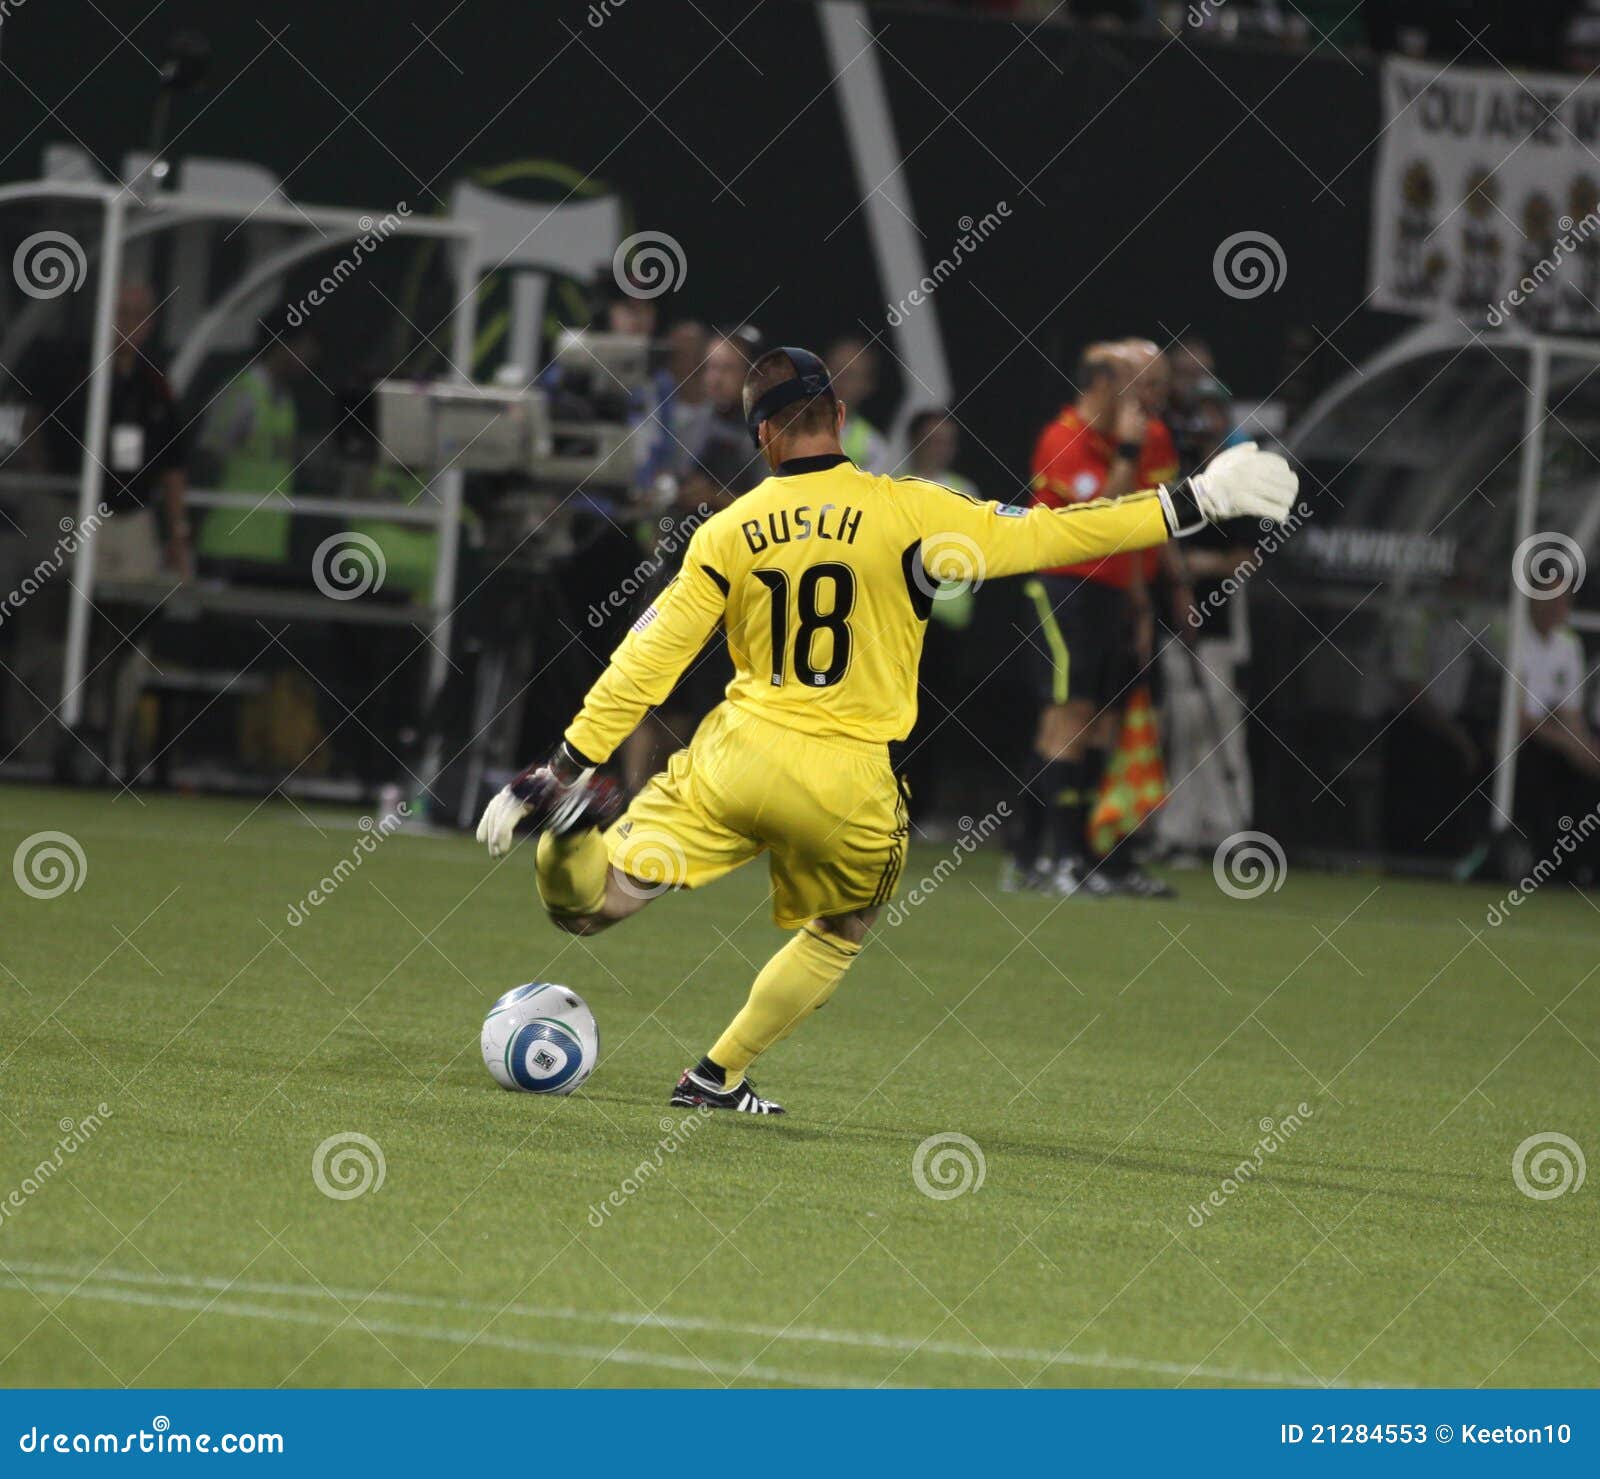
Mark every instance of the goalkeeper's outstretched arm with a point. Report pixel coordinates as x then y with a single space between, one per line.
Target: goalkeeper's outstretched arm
1242 481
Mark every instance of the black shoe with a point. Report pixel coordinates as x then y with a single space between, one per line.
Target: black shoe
1076 879
557 809
1138 884
1015 879
695 1092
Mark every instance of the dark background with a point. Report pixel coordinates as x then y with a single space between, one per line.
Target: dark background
1124 161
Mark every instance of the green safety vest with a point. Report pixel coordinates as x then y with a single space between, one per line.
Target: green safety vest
860 441
262 464
410 551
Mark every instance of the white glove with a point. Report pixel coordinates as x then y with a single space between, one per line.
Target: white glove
499 821
1245 482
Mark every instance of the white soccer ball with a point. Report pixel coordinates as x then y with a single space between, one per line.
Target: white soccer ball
540 1038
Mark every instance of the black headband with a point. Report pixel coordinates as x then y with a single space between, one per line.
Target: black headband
810 379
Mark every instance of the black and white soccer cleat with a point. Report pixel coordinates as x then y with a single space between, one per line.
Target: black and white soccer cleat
1138 884
1075 879
697 1092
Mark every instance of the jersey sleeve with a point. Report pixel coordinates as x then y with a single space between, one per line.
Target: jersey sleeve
652 657
965 538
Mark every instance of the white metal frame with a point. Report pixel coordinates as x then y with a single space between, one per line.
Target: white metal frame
1430 338
338 227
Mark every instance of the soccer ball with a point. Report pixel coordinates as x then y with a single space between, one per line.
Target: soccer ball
541 1038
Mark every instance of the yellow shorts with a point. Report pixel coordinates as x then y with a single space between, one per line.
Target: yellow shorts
830 812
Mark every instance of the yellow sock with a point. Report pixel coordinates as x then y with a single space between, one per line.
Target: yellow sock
572 872
792 985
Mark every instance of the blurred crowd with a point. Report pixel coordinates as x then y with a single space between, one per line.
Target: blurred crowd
1133 670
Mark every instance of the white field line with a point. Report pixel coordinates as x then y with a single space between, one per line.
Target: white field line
401 1330
105 1282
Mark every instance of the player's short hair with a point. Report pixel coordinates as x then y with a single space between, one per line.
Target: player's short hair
773 368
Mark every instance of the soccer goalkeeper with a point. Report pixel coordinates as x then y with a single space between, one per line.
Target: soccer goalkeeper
823 578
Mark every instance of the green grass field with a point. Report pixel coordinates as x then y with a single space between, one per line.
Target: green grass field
1113 1062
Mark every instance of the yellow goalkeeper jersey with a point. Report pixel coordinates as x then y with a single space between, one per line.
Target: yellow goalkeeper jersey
823 578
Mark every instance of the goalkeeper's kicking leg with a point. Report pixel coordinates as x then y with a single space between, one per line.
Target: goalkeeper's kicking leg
582 893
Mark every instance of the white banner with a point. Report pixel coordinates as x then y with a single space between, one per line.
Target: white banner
1486 200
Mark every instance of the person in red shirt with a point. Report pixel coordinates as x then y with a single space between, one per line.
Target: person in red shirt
1095 628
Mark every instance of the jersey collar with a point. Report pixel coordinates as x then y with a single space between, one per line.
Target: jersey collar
793 466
